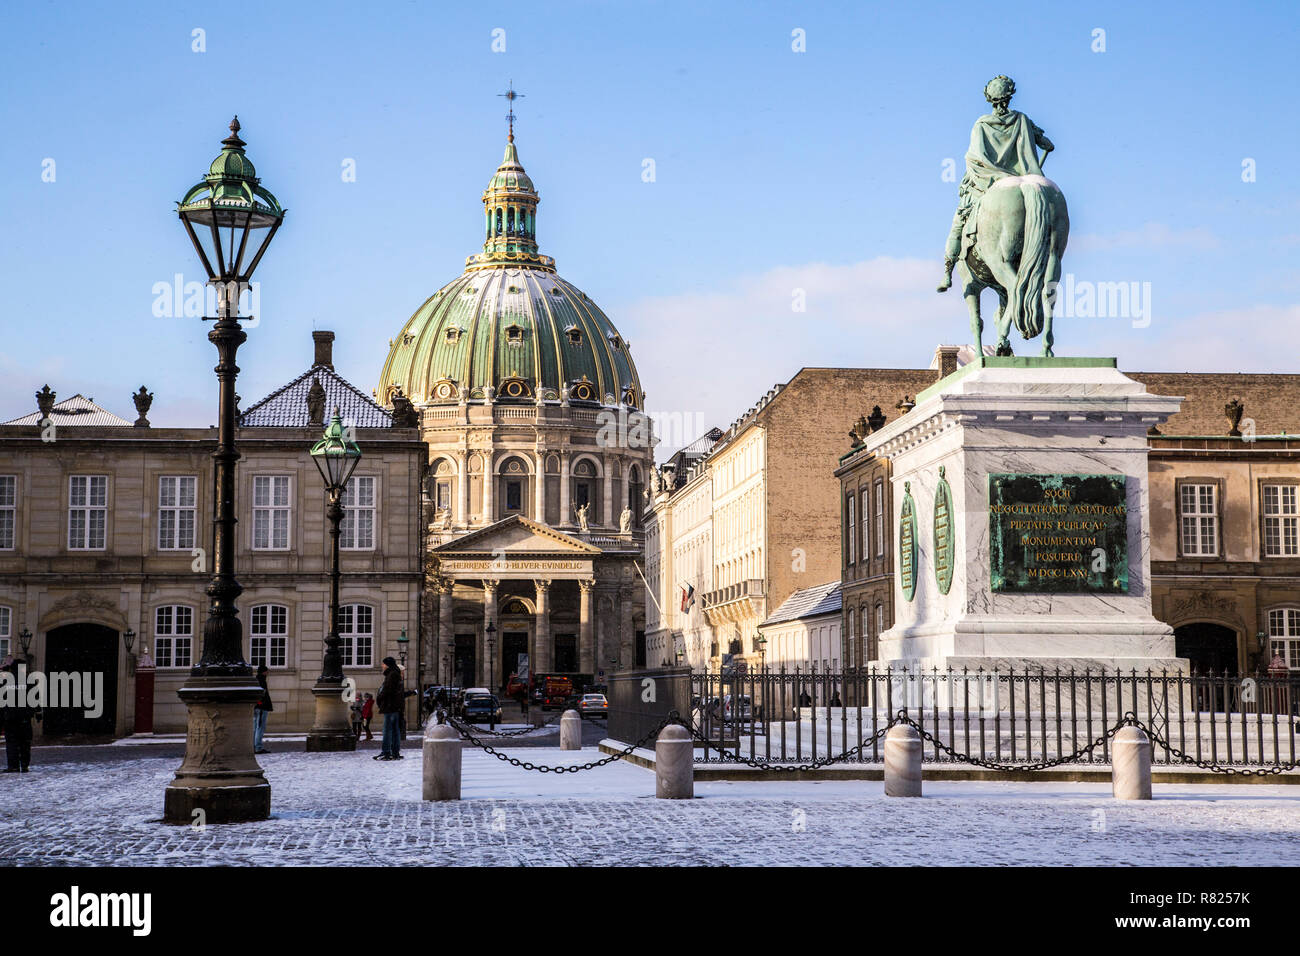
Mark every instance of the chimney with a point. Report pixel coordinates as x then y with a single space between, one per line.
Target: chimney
946 359
324 349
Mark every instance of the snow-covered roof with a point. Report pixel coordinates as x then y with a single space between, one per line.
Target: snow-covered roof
287 405
75 411
809 602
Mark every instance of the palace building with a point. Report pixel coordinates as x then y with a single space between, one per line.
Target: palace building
530 403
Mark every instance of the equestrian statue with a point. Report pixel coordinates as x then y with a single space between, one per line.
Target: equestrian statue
1011 224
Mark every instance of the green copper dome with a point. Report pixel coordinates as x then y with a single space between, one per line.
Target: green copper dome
509 327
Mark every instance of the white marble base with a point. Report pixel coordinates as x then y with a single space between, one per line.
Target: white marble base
1024 417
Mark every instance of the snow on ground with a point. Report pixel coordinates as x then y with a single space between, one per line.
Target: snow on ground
349 809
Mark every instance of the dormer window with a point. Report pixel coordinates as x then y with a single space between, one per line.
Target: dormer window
555 290
514 335
575 335
453 333
615 340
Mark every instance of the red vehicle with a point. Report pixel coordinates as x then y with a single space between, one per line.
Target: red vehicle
516 687
555 691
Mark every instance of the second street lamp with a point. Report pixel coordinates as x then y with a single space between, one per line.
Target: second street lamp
336 456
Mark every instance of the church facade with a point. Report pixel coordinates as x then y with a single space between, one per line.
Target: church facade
530 404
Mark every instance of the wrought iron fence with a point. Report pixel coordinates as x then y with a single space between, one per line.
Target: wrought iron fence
1006 716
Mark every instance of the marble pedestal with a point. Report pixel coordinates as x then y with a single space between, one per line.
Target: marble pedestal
1025 416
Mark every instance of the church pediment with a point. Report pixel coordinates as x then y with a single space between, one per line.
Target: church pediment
517 535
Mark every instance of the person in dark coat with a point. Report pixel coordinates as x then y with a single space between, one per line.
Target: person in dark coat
261 711
391 700
17 722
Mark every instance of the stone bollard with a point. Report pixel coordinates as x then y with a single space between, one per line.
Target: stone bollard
1130 764
571 731
441 762
674 764
902 761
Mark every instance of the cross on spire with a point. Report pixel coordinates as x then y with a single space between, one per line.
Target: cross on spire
511 96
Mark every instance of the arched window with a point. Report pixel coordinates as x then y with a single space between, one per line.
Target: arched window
268 635
173 636
357 633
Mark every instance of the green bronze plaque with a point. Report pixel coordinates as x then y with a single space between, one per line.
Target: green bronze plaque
1058 534
907 544
944 534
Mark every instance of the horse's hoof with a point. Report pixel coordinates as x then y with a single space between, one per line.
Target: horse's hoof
1004 349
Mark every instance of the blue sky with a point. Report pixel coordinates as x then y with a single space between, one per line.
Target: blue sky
775 171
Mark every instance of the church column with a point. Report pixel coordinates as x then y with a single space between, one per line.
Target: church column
545 645
484 668
489 486
539 489
462 497
566 515
608 516
626 640
587 663
446 638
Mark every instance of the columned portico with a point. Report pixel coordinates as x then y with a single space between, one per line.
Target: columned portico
542 642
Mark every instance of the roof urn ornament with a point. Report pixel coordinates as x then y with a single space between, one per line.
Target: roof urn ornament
316 403
876 420
143 400
859 431
1234 410
906 405
45 401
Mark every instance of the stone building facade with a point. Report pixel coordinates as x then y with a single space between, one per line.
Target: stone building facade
106 527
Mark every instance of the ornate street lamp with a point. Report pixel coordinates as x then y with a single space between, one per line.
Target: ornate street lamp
336 456
491 643
25 642
128 639
219 778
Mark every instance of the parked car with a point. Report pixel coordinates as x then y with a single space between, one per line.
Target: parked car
593 705
481 707
516 686
555 691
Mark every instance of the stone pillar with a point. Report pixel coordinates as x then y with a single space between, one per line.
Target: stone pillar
902 761
586 639
566 516
446 638
442 756
626 639
674 764
571 730
541 662
607 515
462 492
484 666
489 488
539 490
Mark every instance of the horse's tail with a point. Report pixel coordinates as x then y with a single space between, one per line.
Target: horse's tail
1025 300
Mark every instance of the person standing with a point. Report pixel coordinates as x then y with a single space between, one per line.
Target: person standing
17 722
354 711
367 712
391 700
261 712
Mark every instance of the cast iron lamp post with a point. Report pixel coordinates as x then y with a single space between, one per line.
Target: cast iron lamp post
491 643
336 457
128 640
25 642
761 643
403 643
219 780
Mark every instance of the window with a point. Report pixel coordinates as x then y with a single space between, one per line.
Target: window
880 518
176 512
442 495
1284 635
357 531
8 500
853 526
1281 518
271 512
1198 519
864 511
880 625
269 635
514 494
6 631
87 512
357 631
173 635
848 655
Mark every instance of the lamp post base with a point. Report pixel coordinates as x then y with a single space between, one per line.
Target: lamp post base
219 781
332 730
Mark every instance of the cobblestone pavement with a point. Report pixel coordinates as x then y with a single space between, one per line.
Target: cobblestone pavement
348 809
